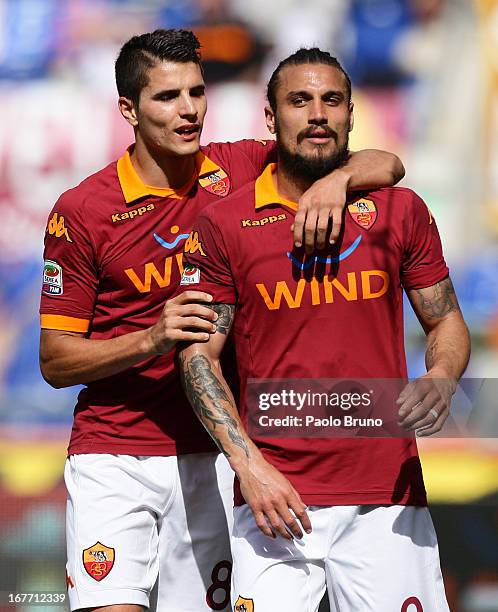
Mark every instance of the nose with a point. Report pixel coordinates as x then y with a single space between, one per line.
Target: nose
187 107
317 115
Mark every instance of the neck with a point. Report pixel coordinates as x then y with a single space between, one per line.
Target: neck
290 186
163 171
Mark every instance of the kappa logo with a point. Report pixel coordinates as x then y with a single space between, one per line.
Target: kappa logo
217 183
131 214
244 605
98 560
263 221
193 244
363 212
56 227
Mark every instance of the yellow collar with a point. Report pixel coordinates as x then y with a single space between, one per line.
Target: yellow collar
266 193
134 188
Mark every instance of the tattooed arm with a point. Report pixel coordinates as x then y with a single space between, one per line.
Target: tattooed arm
425 403
268 493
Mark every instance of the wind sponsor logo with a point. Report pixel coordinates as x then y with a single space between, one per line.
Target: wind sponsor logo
152 277
363 285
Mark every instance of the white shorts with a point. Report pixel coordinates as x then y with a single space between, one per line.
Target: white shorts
371 558
149 527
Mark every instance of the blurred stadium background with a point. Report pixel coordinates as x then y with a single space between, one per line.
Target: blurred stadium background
425 76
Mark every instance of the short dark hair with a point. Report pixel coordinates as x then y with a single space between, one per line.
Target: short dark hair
141 53
303 56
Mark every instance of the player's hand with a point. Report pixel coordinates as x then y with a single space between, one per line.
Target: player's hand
425 403
183 319
324 200
275 504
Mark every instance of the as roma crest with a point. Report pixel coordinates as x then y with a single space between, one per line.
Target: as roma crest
216 182
98 560
363 212
244 605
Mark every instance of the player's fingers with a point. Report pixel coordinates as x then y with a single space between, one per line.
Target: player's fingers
336 224
299 510
298 226
194 324
196 310
436 426
310 231
188 336
277 523
429 417
191 296
412 398
262 523
420 411
322 226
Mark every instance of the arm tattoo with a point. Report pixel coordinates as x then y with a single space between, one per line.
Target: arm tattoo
207 395
225 317
442 301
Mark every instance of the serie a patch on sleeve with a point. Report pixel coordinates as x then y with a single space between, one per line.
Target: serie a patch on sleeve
52 278
191 275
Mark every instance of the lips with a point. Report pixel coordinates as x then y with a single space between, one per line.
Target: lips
317 134
187 129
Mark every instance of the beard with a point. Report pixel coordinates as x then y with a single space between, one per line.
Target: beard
311 167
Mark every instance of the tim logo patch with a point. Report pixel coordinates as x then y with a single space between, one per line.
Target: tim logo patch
52 278
98 561
363 212
191 275
216 182
244 605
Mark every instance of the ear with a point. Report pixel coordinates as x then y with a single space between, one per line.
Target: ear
128 110
351 116
270 119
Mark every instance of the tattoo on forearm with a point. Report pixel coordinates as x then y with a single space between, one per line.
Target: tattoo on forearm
442 301
430 354
225 317
207 396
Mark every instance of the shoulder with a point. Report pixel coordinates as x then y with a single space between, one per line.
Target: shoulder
223 212
248 148
91 193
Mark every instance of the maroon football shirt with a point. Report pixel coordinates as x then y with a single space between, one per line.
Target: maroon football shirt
292 323
113 256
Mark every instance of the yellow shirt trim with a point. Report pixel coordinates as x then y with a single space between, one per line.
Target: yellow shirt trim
266 191
63 323
134 188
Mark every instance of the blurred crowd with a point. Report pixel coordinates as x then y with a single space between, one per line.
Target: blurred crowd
425 86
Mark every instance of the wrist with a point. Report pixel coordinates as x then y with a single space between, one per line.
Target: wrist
341 176
148 346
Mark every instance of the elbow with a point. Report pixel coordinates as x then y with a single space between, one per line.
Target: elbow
51 375
397 170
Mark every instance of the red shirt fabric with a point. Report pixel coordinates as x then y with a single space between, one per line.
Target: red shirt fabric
345 322
113 256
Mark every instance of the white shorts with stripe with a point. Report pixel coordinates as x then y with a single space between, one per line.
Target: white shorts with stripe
149 531
371 559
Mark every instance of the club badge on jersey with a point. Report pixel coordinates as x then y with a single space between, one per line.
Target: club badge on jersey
217 183
98 560
244 605
363 212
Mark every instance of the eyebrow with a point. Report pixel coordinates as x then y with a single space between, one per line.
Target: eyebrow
176 92
306 94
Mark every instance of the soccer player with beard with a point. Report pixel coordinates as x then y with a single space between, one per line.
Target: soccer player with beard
148 489
335 314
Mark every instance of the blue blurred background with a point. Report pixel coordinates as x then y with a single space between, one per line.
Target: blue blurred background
425 76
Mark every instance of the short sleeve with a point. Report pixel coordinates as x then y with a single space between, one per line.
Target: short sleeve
423 261
206 262
69 272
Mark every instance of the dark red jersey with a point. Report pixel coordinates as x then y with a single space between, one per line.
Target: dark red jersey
336 314
113 256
